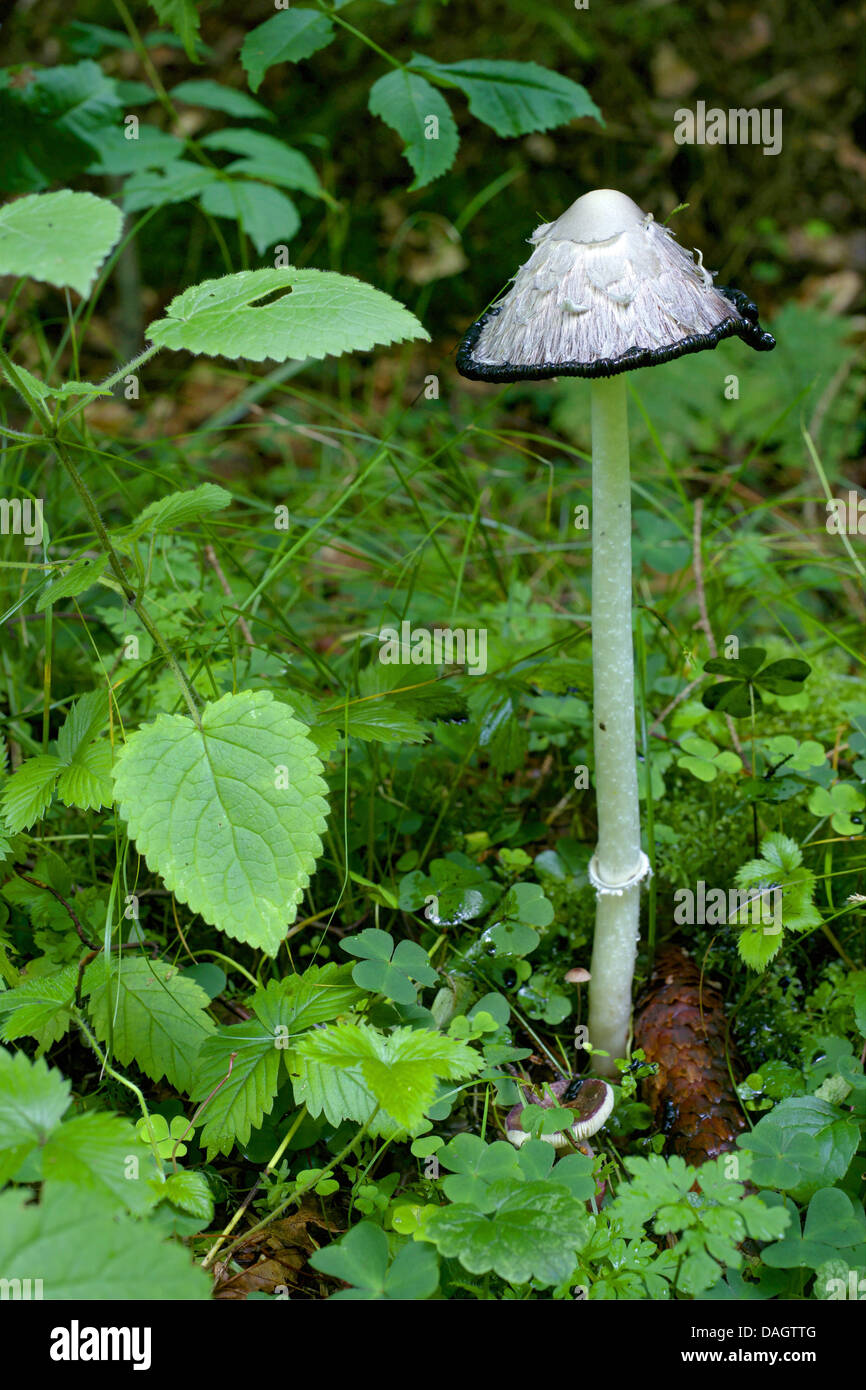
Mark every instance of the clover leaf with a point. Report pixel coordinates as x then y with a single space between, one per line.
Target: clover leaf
156 1130
704 760
740 693
386 969
362 1258
841 803
833 1224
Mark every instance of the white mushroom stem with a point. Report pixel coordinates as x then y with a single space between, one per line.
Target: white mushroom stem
619 864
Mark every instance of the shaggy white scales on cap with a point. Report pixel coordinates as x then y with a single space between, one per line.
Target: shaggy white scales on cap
606 290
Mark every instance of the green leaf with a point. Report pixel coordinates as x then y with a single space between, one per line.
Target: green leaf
33 1098
266 215
373 723
86 782
39 1008
512 939
28 792
401 1070
833 1223
514 98
93 1151
386 969
83 1251
361 1258
320 314
531 1230
800 1145
190 1192
53 122
526 903
784 677
58 238
840 803
243 1061
229 814
421 116
731 697
44 392
248 1085
75 580
157 1016
151 149
180 182
80 767
215 97
267 158
182 17
288 37
181 509
742 667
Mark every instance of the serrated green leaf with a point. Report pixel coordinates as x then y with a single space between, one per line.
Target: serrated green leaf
401 1069
39 1008
155 1015
181 509
151 149
83 1251
282 1011
243 1062
58 238
80 577
514 98
287 37
265 157
86 783
215 97
86 719
229 814
266 215
320 314
421 116
190 1192
178 183
374 722
33 1098
28 792
182 17
99 1151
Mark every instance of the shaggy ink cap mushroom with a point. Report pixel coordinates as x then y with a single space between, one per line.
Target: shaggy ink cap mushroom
606 290
590 1100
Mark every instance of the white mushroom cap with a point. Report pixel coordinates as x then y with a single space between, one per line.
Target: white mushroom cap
590 1099
605 290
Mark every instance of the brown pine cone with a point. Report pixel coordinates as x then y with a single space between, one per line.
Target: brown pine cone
682 1027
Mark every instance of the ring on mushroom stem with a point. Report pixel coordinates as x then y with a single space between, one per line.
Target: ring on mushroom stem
605 291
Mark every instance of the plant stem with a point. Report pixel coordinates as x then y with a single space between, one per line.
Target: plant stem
618 858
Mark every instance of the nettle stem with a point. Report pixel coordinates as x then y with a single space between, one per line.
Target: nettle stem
619 863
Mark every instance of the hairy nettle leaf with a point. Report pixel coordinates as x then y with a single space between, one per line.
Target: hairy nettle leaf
230 814
309 313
